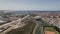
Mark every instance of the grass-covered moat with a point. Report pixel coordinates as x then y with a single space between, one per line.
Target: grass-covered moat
27 29
44 26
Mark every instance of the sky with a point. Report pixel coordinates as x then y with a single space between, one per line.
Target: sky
30 5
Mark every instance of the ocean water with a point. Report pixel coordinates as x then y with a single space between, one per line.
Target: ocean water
28 12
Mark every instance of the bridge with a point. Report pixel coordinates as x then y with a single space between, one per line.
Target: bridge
12 25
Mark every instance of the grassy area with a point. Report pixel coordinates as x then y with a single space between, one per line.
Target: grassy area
27 29
50 29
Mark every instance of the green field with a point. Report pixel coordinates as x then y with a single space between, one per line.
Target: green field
51 29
